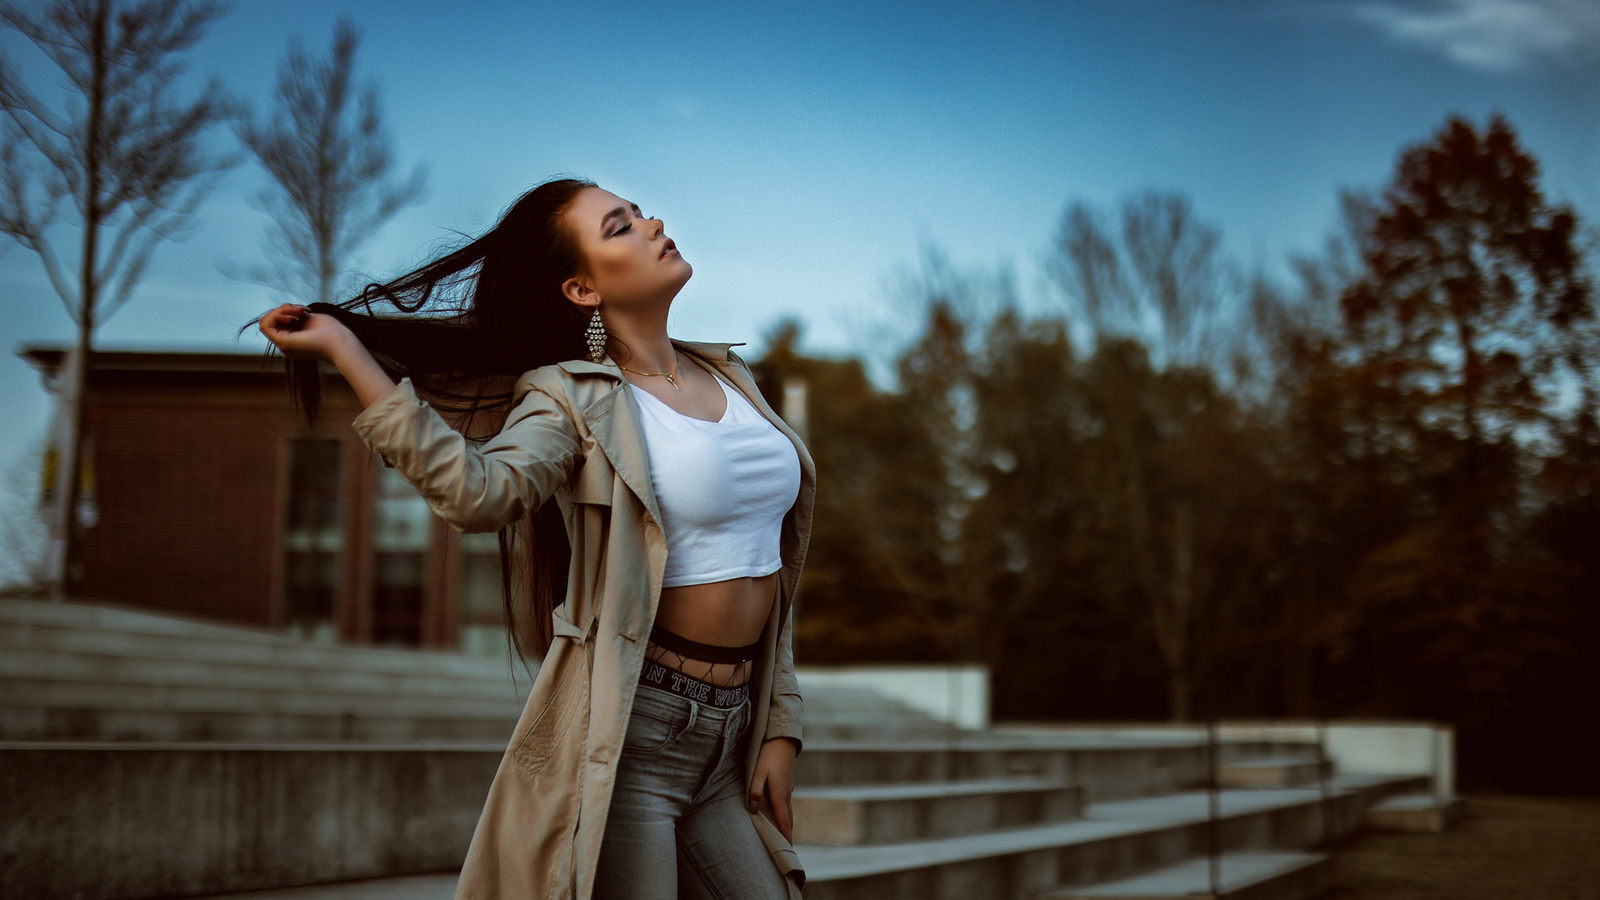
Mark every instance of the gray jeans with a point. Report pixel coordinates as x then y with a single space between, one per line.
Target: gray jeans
678 825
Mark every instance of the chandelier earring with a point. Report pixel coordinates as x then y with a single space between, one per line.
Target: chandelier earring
596 336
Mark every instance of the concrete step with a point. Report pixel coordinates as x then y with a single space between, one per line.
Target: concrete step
1273 773
1415 813
886 813
1310 870
75 628
1113 840
97 668
406 887
122 725
112 820
1106 769
40 692
849 713
1243 876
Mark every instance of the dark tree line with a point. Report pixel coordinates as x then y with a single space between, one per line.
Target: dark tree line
1376 493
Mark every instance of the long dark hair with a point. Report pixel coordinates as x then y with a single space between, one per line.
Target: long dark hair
463 327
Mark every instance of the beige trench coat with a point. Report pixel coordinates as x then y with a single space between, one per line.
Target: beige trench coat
575 436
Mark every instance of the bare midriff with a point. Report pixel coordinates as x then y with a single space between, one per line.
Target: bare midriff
729 613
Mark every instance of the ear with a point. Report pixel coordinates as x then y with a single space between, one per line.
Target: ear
580 293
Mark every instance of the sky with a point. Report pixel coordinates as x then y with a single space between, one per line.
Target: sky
802 156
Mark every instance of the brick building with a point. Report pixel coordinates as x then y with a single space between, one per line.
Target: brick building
213 498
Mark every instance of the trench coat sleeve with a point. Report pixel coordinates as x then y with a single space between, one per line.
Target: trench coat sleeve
474 488
783 716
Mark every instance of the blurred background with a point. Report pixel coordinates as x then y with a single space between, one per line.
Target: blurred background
1161 361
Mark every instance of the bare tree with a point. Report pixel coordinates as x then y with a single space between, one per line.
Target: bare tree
1161 283
121 151
330 163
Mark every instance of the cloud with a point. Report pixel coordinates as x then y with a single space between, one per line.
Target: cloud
1490 35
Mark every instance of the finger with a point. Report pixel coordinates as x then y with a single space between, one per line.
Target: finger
785 815
758 792
270 325
284 318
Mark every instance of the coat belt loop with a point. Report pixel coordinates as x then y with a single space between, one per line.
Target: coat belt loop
560 626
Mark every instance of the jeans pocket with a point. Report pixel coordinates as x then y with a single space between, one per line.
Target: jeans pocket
647 734
655 723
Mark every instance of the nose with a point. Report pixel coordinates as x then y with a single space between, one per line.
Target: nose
661 226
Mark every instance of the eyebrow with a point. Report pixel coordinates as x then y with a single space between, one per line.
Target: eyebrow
619 211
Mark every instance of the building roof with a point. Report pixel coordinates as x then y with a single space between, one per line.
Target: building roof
48 359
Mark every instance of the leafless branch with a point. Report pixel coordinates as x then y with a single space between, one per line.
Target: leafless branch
331 168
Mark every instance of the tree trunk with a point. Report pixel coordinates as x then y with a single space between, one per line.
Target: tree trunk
1181 593
67 569
1178 693
1298 646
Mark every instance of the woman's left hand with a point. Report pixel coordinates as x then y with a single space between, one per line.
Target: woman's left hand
772 783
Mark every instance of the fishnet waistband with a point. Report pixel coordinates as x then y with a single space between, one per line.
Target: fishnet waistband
655 675
722 666
723 675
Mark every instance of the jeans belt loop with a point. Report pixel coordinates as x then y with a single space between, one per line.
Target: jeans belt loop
694 714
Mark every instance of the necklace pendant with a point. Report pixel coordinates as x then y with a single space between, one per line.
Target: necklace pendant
672 381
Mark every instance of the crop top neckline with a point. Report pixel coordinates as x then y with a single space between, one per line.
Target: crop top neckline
727 403
723 489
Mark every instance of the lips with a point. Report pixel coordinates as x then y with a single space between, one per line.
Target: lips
670 248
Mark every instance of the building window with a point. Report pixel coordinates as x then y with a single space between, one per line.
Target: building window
402 526
314 539
481 622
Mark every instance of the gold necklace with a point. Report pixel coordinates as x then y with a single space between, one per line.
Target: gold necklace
672 377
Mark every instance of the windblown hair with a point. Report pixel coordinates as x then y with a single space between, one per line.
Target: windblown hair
463 327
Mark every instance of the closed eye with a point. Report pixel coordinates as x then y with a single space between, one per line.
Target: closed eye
617 213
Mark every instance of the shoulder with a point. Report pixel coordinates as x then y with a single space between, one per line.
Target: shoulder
569 380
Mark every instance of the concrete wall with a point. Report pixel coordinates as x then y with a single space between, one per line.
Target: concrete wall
1405 748
1369 748
1356 748
956 694
151 820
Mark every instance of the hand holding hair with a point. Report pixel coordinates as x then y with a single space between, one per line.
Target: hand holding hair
298 332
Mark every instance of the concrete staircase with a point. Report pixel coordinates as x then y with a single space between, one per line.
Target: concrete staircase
835 712
148 756
1122 818
70 671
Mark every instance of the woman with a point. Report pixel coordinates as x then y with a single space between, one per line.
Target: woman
656 750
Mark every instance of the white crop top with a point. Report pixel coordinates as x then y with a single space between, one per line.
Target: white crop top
723 488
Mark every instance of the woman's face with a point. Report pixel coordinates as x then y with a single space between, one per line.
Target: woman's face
629 260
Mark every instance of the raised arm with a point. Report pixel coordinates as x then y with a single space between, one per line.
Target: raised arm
472 488
297 331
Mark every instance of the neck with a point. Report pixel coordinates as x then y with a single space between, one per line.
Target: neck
643 344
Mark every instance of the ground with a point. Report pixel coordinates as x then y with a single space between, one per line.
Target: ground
1505 847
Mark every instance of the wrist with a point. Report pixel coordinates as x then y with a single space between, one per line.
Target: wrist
789 742
345 348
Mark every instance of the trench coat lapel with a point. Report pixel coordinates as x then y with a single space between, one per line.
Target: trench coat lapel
739 377
613 419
